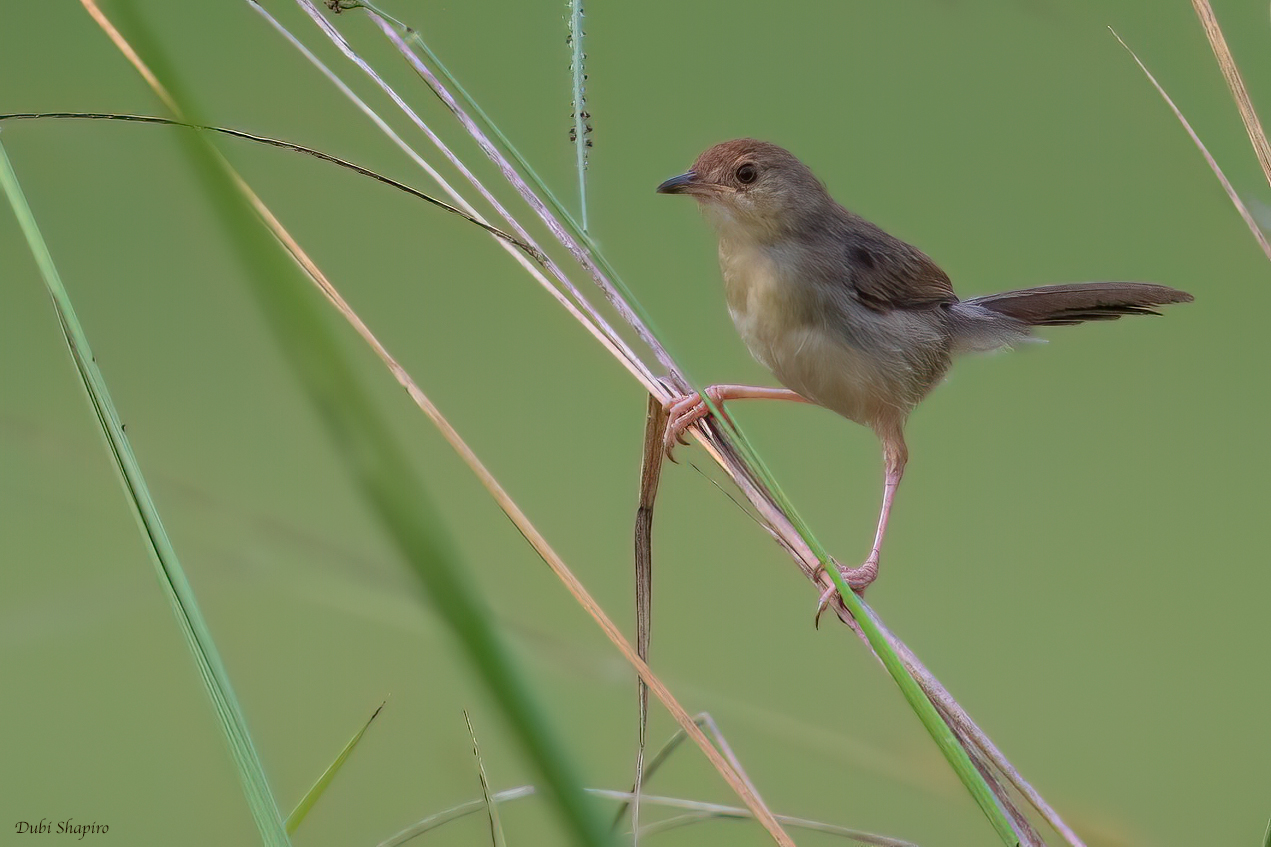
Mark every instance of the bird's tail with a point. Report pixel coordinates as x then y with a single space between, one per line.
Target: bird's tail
1073 303
998 320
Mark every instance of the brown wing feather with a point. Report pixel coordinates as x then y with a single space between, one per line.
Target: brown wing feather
886 273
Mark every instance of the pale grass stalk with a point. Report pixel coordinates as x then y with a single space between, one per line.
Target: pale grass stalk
454 813
705 811
698 811
1236 83
1204 151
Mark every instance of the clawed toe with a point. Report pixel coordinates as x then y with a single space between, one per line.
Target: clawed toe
685 410
682 413
857 579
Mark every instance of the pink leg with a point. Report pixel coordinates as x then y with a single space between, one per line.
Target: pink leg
895 455
685 411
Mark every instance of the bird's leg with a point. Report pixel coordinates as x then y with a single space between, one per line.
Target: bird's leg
895 455
683 412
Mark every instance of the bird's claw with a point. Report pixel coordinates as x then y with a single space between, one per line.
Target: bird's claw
682 412
857 579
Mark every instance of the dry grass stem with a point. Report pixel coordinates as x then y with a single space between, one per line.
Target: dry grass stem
650 474
697 812
1230 72
1204 151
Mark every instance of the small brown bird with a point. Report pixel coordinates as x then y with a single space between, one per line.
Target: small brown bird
847 316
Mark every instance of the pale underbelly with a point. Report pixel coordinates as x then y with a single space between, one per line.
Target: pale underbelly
826 370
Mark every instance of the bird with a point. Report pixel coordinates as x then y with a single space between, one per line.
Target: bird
849 317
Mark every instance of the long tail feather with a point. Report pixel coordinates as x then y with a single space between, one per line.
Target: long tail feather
1073 303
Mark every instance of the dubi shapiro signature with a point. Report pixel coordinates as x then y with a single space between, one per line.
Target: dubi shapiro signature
66 827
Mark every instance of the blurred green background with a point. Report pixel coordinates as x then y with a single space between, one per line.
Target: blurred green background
1077 551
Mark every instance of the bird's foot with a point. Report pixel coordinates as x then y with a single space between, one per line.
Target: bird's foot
857 579
684 411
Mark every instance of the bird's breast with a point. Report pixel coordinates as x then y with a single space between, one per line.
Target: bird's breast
760 300
861 366
776 318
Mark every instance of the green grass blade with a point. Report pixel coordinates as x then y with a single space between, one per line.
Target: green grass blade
378 467
935 725
487 795
307 802
440 819
176 587
578 82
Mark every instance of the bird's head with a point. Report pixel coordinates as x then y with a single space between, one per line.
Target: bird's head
754 186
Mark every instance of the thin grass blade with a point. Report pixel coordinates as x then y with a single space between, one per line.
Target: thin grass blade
177 588
733 813
977 741
581 131
1248 217
703 721
307 802
491 804
283 145
698 811
439 819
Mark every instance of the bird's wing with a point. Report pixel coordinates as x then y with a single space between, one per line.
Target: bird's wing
886 273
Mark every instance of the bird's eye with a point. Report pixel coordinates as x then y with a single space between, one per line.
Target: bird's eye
747 173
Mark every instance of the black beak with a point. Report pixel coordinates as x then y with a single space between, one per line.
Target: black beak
678 184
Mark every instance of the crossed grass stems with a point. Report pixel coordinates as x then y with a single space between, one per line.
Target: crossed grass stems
990 778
